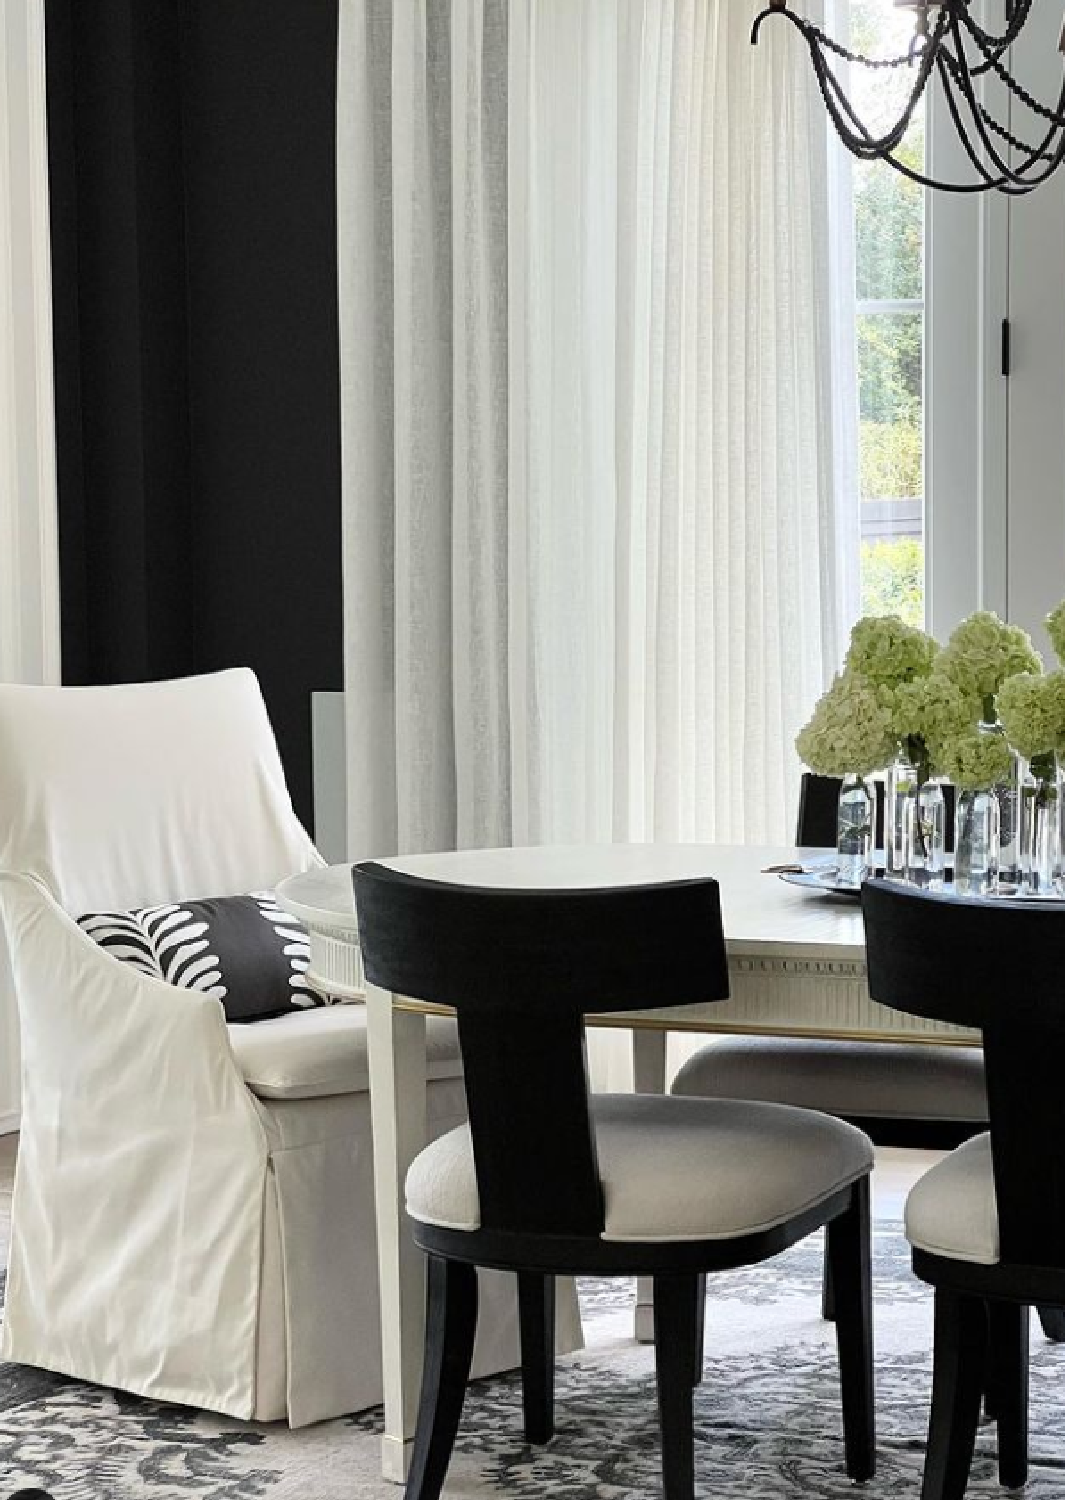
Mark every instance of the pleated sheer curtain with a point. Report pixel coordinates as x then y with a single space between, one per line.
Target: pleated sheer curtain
29 566
600 536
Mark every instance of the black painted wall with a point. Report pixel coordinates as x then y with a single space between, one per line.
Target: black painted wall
192 161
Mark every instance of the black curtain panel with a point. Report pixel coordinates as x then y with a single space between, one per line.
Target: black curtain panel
192 165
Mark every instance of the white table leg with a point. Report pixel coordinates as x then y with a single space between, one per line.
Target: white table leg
648 1077
396 1041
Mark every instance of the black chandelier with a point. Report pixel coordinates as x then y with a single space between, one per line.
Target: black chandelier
950 45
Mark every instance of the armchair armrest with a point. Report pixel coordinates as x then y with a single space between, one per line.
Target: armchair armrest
94 1028
137 1220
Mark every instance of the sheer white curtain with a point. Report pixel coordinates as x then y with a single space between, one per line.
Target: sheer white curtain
29 582
600 547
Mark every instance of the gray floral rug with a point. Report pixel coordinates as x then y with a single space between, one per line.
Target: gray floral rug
767 1422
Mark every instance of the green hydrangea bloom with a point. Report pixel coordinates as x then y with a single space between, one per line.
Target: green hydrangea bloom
1032 712
887 651
975 761
982 652
929 712
851 729
1055 623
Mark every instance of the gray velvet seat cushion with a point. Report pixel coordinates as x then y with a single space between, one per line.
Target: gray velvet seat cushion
675 1169
851 1078
310 1054
952 1210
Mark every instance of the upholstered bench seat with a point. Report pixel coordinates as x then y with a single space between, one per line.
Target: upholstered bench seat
312 1054
675 1169
854 1079
952 1210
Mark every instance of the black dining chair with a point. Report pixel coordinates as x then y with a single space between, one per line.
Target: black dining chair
546 1180
931 1097
987 1224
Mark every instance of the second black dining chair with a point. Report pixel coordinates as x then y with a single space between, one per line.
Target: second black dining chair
547 1180
987 1223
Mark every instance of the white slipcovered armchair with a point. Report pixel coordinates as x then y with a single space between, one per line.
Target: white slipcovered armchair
193 1207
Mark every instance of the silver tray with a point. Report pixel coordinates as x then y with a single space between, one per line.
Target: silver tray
822 883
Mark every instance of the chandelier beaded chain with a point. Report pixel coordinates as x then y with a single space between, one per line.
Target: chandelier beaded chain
952 48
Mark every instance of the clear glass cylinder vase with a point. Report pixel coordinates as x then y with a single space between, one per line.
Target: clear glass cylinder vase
1040 833
854 830
926 835
1010 796
977 842
898 815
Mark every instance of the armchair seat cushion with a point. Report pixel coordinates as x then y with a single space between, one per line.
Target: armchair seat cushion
855 1079
952 1209
313 1053
675 1169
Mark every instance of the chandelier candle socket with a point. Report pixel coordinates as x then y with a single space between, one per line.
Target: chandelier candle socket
1011 148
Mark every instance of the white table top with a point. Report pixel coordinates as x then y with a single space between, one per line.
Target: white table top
762 914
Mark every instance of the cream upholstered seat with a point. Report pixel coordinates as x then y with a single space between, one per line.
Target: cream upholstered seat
193 1206
314 1053
674 1169
857 1081
952 1210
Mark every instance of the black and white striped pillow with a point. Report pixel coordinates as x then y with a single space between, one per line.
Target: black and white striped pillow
244 950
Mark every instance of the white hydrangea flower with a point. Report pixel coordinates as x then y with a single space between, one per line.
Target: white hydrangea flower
851 729
982 652
887 651
975 761
1032 711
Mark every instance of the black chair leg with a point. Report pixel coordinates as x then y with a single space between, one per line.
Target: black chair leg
959 1356
849 1255
451 1322
536 1316
1008 1368
828 1296
675 1336
700 1331
1053 1321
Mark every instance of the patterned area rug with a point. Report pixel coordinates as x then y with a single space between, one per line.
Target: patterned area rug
767 1422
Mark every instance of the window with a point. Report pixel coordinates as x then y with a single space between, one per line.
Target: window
889 232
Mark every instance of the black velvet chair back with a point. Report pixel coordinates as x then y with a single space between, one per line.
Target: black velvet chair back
999 966
522 968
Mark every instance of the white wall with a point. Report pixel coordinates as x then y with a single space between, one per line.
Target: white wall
1036 514
29 582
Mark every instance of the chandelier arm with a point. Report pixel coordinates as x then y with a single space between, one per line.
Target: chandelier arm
1024 148
1000 42
885 144
959 125
1024 173
1020 92
859 139
955 67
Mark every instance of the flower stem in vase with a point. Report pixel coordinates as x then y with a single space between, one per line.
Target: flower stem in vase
854 830
1041 832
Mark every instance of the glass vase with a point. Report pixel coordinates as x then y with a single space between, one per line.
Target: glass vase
898 816
1040 832
926 835
854 830
1010 812
977 842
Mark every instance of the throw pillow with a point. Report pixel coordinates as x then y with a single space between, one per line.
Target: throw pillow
244 950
